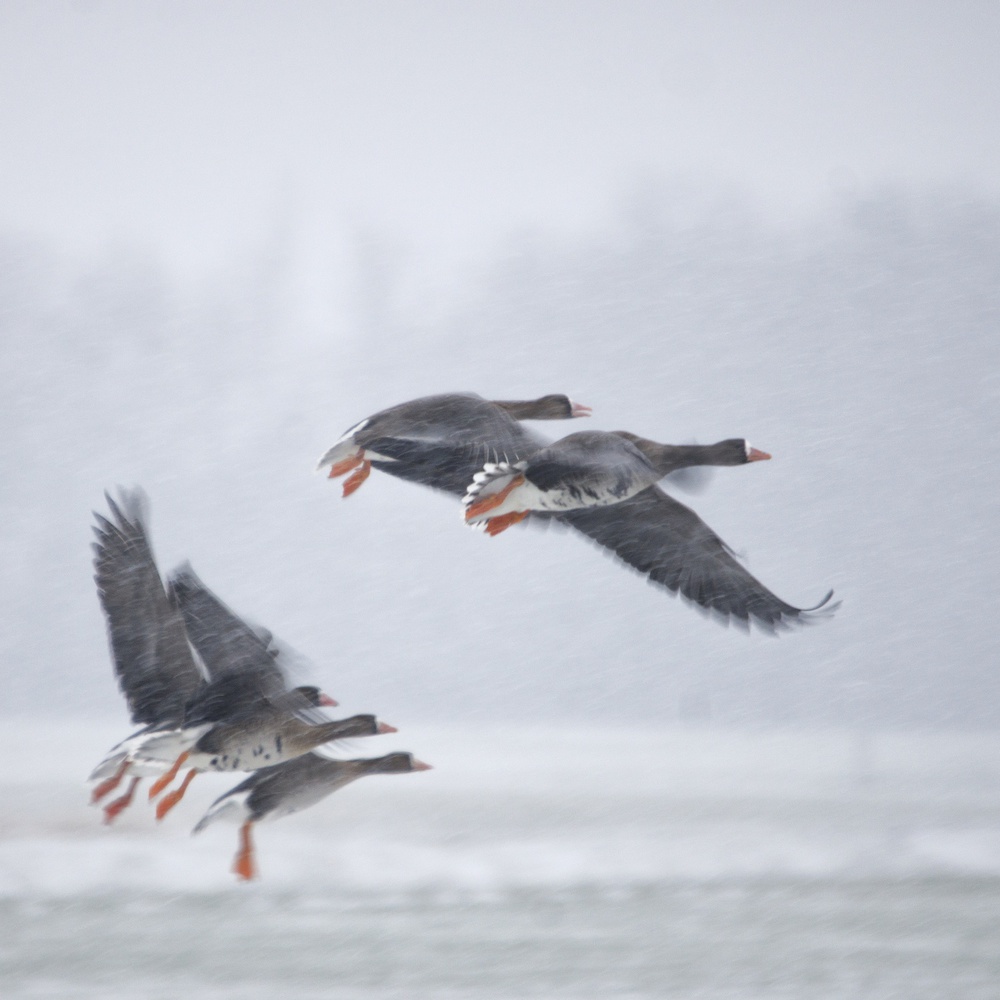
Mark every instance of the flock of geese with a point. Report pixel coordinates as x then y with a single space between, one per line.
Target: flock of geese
212 692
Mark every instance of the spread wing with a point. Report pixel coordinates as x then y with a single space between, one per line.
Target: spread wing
589 466
668 543
156 670
243 662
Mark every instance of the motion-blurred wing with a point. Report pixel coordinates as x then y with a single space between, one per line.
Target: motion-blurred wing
444 466
156 670
672 546
241 660
590 465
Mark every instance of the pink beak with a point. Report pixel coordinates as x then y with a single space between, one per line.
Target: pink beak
326 701
579 409
419 765
756 455
384 727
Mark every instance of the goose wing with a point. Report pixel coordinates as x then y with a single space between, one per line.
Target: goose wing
590 467
243 662
446 466
670 545
156 669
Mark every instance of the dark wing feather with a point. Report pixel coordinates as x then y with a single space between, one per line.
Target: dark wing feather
443 441
673 547
241 660
447 467
590 463
449 419
156 670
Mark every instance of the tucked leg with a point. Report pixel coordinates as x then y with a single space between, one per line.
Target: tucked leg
112 809
164 779
501 523
109 784
492 501
172 798
244 866
354 481
345 465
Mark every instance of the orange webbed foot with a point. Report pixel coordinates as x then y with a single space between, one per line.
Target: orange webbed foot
493 500
112 809
164 779
243 865
109 784
497 524
172 798
345 465
354 481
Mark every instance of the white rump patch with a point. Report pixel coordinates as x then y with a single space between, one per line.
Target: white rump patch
343 448
229 807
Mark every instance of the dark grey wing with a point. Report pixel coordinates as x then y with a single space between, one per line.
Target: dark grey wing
241 660
156 669
673 547
448 419
442 441
447 467
590 466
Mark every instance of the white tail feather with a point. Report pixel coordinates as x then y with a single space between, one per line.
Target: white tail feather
167 747
229 806
493 478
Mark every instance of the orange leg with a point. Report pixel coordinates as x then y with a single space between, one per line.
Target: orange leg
355 480
497 524
109 784
339 468
164 779
244 866
172 798
494 500
112 809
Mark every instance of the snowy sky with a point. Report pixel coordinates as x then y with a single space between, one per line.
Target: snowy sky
192 127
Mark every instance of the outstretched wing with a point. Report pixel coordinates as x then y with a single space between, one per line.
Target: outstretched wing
240 659
245 665
668 543
156 670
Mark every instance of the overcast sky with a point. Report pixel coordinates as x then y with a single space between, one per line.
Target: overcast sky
194 128
295 164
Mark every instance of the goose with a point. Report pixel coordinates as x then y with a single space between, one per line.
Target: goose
273 792
442 440
603 484
587 469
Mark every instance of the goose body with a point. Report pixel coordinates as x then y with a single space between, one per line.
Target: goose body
589 469
252 740
274 792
